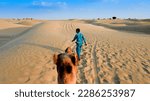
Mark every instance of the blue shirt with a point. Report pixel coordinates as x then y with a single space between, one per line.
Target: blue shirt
79 38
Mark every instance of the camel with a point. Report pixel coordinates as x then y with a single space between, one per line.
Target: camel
66 66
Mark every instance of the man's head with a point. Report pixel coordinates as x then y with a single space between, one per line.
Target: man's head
77 30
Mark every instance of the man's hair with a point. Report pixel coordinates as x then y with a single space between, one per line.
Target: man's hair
78 30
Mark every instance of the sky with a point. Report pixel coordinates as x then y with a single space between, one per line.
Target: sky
74 9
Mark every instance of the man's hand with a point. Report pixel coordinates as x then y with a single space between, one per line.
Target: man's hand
85 44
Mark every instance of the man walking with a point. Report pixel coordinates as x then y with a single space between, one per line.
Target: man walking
79 41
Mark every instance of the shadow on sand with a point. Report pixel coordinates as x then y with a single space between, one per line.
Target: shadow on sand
54 49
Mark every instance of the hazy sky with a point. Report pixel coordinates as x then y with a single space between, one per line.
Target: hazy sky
67 9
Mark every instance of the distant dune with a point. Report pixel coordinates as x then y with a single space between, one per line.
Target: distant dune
7 24
141 26
111 56
13 28
17 23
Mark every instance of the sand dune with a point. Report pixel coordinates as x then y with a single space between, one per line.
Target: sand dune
11 29
6 24
15 23
110 57
137 26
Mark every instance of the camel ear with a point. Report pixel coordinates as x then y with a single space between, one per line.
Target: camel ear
55 56
74 59
68 50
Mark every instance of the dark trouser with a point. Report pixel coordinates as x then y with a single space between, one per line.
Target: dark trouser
78 50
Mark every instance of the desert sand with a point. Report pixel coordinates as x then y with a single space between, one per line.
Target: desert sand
111 56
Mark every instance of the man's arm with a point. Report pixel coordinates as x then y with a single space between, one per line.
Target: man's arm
74 38
84 40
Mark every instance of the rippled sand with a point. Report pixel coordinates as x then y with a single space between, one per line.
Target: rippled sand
110 57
